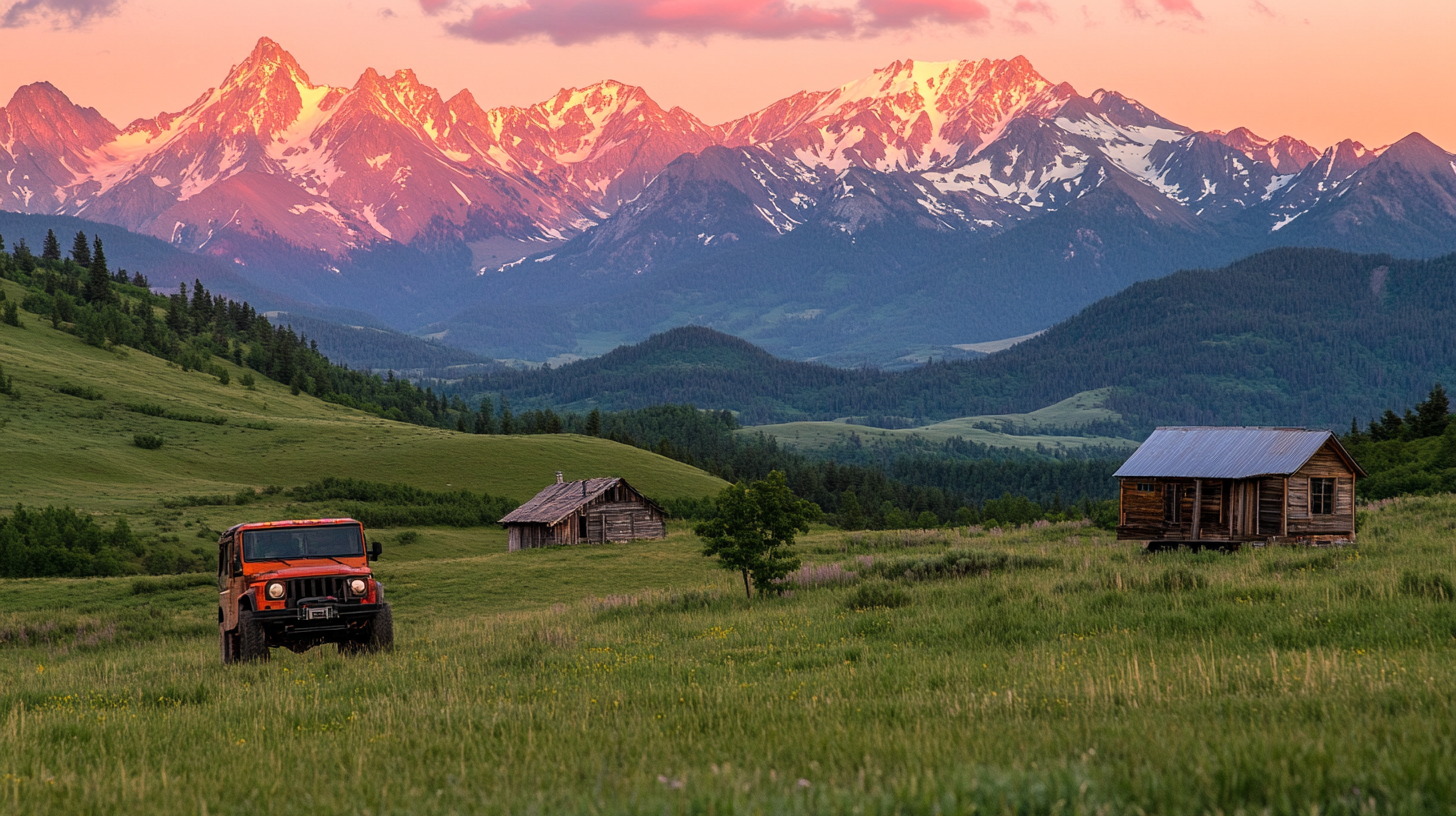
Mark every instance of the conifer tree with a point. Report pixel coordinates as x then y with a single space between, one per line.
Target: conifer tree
51 249
98 280
98 258
1432 416
485 418
507 419
80 250
594 423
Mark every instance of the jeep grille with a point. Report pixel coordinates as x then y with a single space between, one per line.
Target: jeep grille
300 589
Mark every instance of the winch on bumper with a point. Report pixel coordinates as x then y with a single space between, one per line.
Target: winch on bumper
316 616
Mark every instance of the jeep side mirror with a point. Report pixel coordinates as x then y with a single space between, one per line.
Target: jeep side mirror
374 550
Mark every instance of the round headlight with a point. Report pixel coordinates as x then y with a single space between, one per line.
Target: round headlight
358 586
275 590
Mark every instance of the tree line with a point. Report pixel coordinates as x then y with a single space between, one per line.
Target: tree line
1412 452
193 327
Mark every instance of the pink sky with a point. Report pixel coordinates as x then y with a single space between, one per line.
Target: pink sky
1321 70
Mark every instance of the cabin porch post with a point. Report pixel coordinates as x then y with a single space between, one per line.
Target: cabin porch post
1197 509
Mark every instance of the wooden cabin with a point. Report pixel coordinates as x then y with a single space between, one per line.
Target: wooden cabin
1223 486
588 511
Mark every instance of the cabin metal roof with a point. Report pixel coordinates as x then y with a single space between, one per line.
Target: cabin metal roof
558 501
1228 453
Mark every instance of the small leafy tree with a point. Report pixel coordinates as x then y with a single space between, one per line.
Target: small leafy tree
754 527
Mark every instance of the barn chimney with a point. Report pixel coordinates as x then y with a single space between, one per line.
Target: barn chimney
559 478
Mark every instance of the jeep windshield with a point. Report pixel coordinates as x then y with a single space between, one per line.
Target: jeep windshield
292 543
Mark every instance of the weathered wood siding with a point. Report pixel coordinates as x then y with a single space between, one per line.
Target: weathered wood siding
1228 510
528 536
620 514
1271 507
624 521
1326 464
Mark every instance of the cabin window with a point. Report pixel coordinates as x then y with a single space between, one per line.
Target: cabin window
1147 487
1321 497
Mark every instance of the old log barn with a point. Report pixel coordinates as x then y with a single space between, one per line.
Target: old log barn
591 510
1222 486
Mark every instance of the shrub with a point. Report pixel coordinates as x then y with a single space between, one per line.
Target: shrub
874 594
85 392
148 441
247 380
954 564
1431 585
148 586
407 537
400 505
151 409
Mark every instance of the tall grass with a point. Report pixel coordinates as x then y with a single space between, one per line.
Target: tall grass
1091 678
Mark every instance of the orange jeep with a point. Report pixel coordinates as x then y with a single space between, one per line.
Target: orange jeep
299 584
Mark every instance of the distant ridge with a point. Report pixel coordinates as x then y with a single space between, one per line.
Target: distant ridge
1305 337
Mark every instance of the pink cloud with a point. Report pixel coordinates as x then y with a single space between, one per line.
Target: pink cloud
75 13
569 22
1183 8
1036 7
906 13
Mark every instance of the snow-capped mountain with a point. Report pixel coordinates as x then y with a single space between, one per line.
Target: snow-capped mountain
282 174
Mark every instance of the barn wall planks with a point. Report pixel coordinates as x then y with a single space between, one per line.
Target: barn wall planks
616 514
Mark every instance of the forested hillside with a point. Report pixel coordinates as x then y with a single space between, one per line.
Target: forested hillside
1286 337
78 291
378 349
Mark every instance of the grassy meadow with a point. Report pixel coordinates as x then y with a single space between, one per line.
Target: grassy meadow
60 449
1072 412
1043 670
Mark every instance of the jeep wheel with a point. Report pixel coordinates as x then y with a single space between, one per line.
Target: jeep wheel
252 640
381 631
228 645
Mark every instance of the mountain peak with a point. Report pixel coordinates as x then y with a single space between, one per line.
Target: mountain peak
266 60
1414 147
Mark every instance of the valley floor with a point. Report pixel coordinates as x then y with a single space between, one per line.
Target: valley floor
1039 671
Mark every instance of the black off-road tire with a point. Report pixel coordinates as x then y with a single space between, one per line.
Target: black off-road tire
228 645
252 640
381 631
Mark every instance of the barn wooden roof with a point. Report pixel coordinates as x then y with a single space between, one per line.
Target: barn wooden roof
1228 453
558 501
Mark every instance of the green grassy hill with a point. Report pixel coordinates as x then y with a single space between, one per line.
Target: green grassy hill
1019 431
62 449
1038 671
